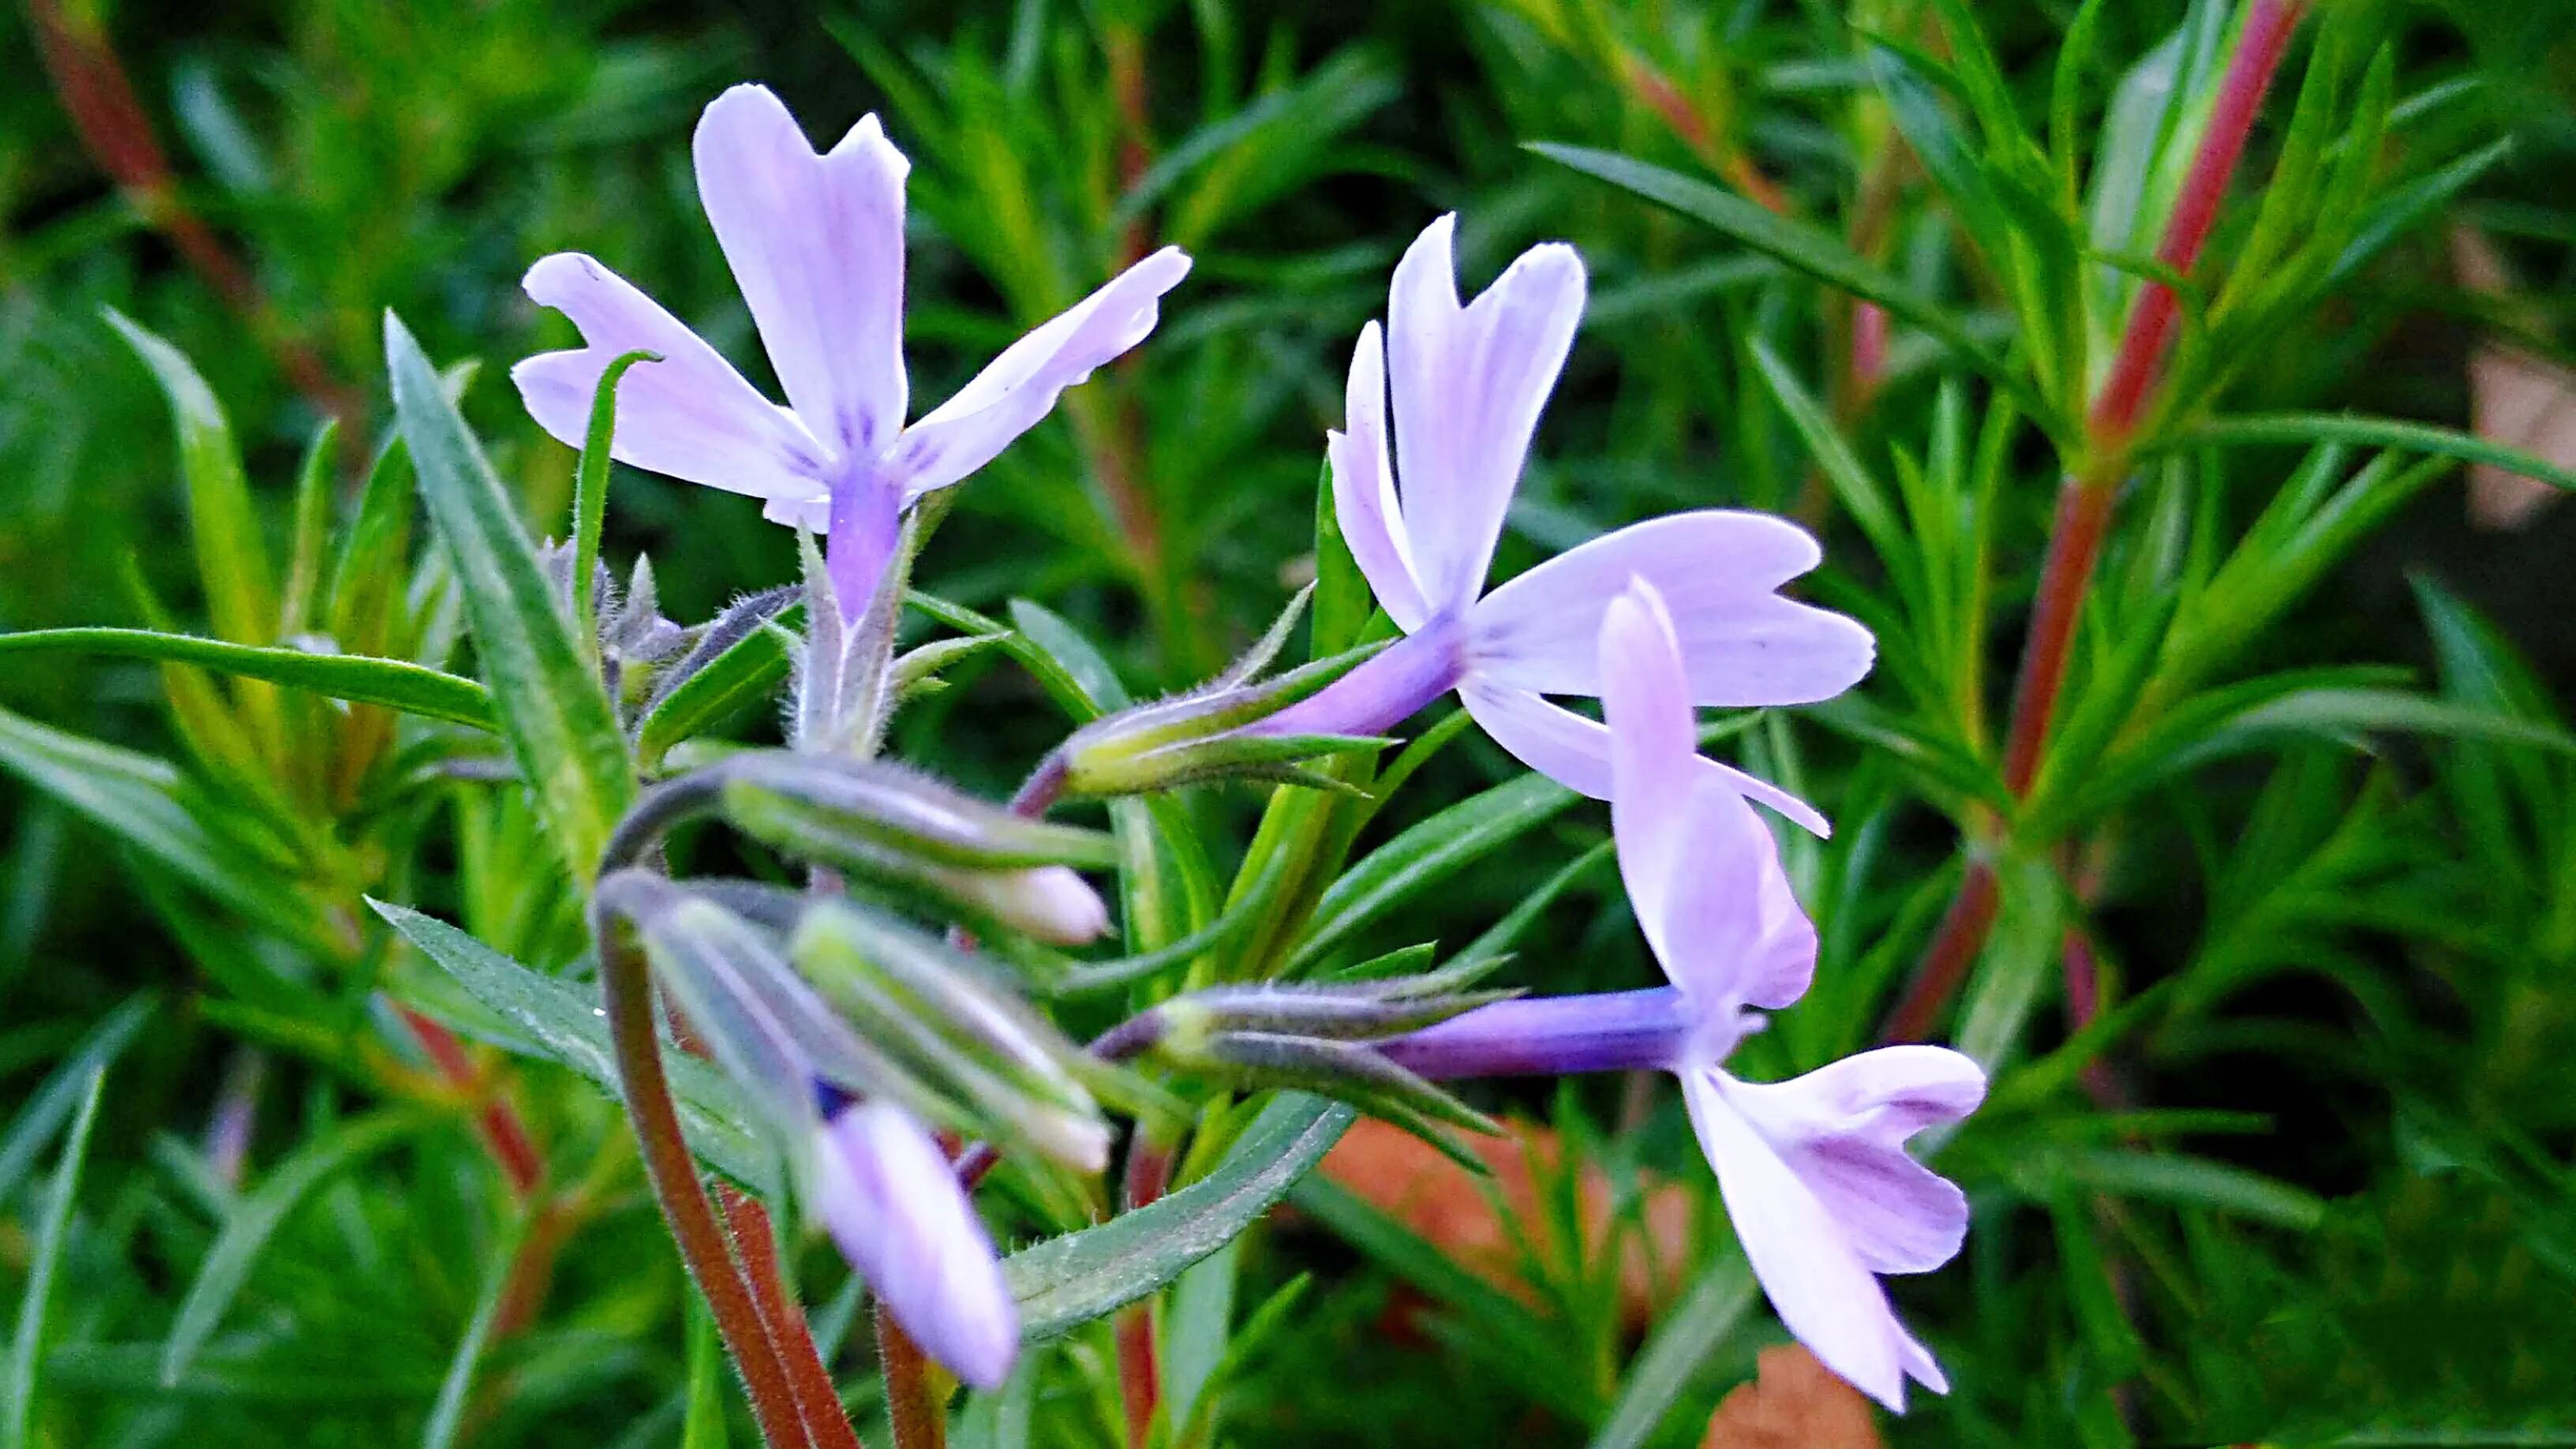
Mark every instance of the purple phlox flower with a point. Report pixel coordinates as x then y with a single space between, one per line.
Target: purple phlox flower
1813 1170
890 1200
1468 382
816 244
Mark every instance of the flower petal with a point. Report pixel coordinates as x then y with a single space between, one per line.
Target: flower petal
885 1191
1717 570
816 244
688 416
1575 752
1017 389
1364 501
1818 1285
1469 385
1701 868
1842 1128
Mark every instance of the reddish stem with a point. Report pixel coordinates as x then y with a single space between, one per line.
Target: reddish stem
1955 944
2084 503
1149 1174
918 1419
755 1246
2074 547
497 1123
2259 45
92 86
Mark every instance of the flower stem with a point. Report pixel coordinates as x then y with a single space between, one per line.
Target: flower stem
627 1000
1149 1174
755 1245
919 1422
2084 503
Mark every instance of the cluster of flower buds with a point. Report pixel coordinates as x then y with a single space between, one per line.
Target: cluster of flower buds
846 1032
642 655
886 825
1319 1037
1209 733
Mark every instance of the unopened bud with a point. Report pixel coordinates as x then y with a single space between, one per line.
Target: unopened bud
892 824
1210 733
935 1010
731 982
1320 1039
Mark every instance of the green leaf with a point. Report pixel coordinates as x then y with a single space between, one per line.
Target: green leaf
136 798
746 660
360 679
2302 428
544 1017
60 1092
232 561
2195 1182
1068 1281
1069 656
590 488
1426 855
1681 1344
1808 249
26 1348
312 531
552 707
257 1217
447 1413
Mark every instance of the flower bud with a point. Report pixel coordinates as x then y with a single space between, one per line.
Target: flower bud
938 1012
1320 1039
893 825
1210 733
731 982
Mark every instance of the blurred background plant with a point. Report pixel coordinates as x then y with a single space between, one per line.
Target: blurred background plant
2248 866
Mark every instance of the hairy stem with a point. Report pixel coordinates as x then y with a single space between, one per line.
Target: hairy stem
627 999
755 1245
919 1420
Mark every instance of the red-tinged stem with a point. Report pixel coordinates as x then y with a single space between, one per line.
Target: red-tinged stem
2084 502
1955 944
92 86
1149 1174
497 1123
755 1246
2259 45
2065 577
626 991
914 1409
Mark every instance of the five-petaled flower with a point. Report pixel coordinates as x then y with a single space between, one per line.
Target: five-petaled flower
1468 382
816 244
1813 1169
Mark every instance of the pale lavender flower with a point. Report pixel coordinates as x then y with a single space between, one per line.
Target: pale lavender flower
1813 1169
1468 383
816 244
890 1200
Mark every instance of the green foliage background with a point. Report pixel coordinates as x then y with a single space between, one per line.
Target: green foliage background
2311 1176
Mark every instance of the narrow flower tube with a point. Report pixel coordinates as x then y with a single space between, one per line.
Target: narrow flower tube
1467 383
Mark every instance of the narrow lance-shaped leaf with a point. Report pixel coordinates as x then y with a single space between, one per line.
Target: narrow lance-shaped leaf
553 710
1068 1281
395 683
590 490
232 561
